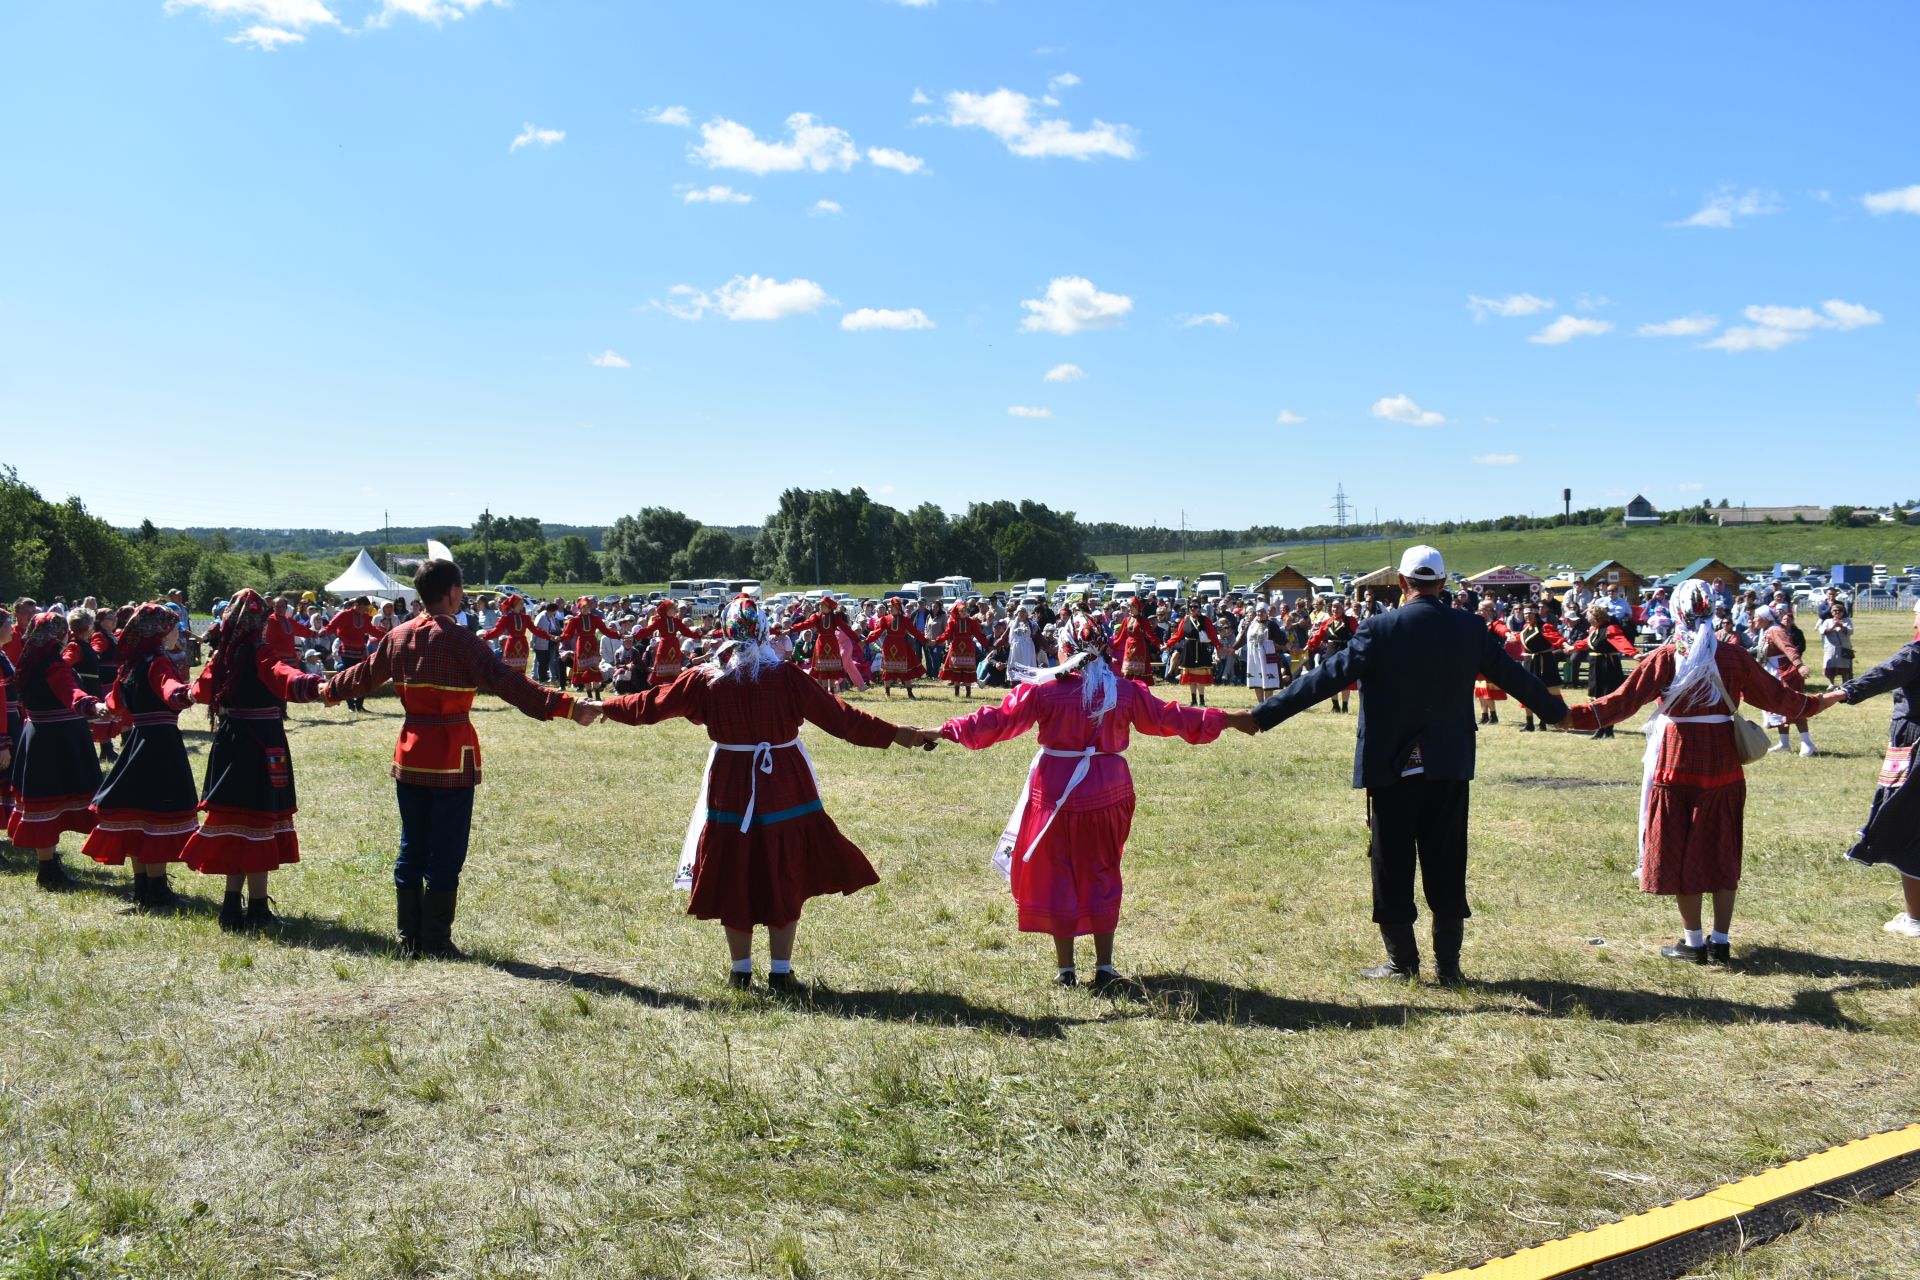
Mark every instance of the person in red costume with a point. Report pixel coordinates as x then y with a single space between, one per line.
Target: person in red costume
146 809
284 631
246 831
1544 646
1485 692
1693 795
668 631
1334 634
1197 644
1136 643
760 843
900 643
55 771
1062 847
582 634
356 631
1605 645
513 632
965 641
835 661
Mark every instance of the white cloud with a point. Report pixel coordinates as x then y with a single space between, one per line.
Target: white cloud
543 138
1774 327
609 359
1065 373
1497 459
267 39
825 208
678 117
1591 301
1742 338
434 11
1514 304
1567 328
1690 326
716 195
283 14
747 298
1027 411
1010 117
727 144
1065 80
1212 319
1073 304
870 318
1689 487
900 161
1901 200
1725 207
1288 418
920 98
1403 409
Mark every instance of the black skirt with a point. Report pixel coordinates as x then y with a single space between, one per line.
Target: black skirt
1546 666
249 765
1604 672
1891 836
152 775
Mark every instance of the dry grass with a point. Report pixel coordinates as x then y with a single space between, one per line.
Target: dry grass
585 1097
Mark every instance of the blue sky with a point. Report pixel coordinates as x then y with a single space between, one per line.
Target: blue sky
296 262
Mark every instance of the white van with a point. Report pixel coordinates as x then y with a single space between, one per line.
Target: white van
1210 586
1037 587
743 587
1124 592
958 588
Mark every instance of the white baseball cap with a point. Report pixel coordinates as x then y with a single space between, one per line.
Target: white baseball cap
1422 564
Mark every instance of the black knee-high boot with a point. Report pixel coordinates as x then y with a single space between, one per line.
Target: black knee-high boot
1403 953
406 900
436 924
1447 937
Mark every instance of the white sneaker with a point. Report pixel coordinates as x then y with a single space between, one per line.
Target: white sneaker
1778 746
1903 925
1806 749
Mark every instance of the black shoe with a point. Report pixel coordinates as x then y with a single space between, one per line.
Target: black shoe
1719 953
1391 970
1681 951
53 876
785 984
1067 979
260 913
1403 954
436 925
1108 982
1493 717
158 895
1447 937
1527 727
406 900
232 918
740 981
139 889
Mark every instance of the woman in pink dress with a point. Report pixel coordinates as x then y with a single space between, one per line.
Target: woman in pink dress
1062 846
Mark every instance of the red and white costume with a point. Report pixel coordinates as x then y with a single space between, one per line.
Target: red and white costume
1064 843
356 631
964 640
1485 689
282 635
1335 632
900 643
668 653
1135 645
582 634
835 646
513 631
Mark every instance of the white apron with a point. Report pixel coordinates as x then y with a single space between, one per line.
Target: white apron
1004 847
762 763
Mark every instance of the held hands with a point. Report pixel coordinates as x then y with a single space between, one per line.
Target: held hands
180 700
585 712
1831 698
1243 721
909 737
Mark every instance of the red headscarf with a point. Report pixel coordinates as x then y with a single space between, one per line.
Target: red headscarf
41 644
146 630
239 645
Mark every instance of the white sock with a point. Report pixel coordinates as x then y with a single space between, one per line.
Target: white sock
1105 968
1806 737
780 966
1783 737
1717 936
743 966
1064 970
1694 937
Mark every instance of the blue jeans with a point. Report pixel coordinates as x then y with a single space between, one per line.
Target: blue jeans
434 824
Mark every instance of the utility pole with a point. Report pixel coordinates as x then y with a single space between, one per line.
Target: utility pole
1340 507
386 536
486 543
1183 535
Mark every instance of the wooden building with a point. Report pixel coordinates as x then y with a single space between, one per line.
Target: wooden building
1504 582
1384 582
1710 570
1292 585
1610 573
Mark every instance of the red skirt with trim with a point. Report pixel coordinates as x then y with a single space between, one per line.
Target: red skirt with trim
666 674
120 835
764 876
1190 675
232 842
1487 691
37 822
897 670
1071 884
1693 838
961 667
586 673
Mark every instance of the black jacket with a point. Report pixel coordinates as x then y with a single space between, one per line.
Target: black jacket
1901 674
1416 666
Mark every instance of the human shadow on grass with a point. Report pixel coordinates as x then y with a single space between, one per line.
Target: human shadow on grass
937 1008
1764 960
1185 998
1810 1006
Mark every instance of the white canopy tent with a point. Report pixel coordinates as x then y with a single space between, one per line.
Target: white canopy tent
365 578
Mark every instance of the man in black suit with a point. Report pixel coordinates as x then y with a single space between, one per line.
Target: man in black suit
1416 666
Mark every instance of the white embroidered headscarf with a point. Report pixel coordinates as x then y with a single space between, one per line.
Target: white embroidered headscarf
744 650
1099 688
1696 679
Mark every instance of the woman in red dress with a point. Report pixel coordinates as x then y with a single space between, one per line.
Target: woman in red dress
1061 848
760 843
965 641
1485 692
1606 646
105 640
1197 643
1335 632
833 641
1694 793
147 807
512 632
900 643
668 631
582 634
1136 643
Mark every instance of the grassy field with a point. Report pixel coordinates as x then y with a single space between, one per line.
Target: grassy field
585 1097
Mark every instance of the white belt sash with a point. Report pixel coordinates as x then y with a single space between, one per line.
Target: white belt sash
761 762
1009 841
1654 730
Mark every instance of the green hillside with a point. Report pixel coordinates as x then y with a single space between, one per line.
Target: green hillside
1661 548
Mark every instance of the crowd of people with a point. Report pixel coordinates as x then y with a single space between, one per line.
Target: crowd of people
85 687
